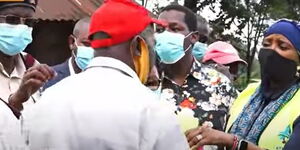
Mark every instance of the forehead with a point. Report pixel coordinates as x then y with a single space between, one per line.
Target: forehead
20 11
277 37
83 30
173 16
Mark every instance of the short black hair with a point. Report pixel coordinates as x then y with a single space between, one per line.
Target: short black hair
190 18
202 24
203 29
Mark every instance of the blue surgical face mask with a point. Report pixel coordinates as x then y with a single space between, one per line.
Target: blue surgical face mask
14 38
199 50
170 47
84 56
157 92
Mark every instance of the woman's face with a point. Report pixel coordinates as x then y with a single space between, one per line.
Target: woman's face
282 46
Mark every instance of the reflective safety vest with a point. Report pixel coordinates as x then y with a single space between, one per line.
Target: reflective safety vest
278 131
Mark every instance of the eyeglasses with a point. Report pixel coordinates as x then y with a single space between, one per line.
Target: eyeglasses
15 20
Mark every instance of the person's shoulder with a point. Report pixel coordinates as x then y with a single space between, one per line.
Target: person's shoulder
146 98
61 67
62 71
154 103
297 123
209 72
29 59
209 76
293 142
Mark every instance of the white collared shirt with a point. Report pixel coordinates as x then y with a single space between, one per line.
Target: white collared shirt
71 68
11 133
106 107
10 83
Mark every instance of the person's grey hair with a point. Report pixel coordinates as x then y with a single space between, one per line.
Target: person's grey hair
79 25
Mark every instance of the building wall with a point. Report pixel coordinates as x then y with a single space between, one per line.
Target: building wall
50 41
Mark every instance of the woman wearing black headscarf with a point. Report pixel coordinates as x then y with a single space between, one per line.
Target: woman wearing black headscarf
263 115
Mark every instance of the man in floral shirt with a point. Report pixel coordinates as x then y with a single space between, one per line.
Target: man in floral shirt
199 94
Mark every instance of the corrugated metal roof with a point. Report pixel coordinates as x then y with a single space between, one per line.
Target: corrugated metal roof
66 9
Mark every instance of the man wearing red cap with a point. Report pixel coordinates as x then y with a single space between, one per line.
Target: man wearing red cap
18 79
107 107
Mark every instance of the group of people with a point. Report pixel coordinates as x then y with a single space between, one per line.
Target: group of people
134 82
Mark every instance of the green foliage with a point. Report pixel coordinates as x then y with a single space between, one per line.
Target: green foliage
284 9
249 20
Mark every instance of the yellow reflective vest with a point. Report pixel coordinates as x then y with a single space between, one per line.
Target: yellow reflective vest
278 131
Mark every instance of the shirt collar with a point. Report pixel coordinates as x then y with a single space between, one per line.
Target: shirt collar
18 71
196 66
113 63
71 69
2 70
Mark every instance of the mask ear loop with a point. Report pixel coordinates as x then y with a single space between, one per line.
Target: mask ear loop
188 48
190 44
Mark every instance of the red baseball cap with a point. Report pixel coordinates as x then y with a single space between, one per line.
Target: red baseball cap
222 53
121 20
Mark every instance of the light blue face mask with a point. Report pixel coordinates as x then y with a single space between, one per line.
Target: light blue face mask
199 50
14 38
169 47
157 92
84 56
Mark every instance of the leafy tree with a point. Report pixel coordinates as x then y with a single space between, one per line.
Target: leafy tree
144 2
285 9
248 18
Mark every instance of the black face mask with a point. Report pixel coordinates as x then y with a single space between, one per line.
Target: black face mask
276 69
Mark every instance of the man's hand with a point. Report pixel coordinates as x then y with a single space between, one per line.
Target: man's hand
33 79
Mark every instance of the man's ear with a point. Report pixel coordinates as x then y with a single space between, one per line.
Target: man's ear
135 46
195 37
71 42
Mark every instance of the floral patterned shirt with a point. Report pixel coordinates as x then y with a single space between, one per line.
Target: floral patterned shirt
206 96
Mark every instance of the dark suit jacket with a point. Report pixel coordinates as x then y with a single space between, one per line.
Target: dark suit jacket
293 142
62 71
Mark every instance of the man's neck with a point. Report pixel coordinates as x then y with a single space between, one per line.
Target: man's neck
8 62
179 71
74 65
